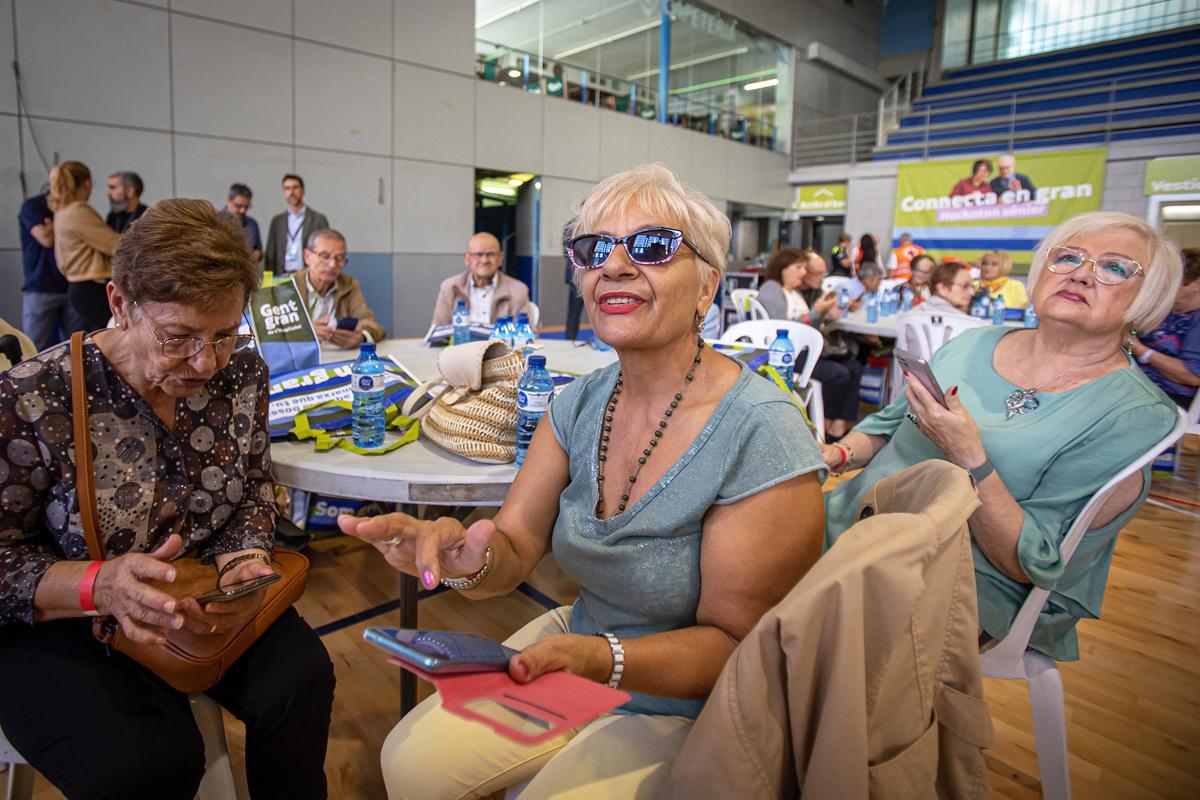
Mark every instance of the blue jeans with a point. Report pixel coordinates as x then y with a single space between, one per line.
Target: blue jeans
47 318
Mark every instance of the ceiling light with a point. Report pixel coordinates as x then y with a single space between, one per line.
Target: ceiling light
516 73
607 40
750 87
483 23
513 182
502 191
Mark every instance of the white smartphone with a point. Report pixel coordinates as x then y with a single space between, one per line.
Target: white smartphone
919 368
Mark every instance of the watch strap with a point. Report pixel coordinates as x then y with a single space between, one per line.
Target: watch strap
980 473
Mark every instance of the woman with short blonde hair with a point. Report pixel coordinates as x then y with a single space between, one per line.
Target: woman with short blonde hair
994 270
680 490
1041 418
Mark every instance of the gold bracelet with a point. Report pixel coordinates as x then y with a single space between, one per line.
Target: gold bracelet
244 557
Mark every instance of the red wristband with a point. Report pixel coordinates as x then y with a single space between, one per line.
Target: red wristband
845 457
86 601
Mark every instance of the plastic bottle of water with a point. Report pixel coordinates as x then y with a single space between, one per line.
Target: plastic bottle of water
872 308
534 393
462 324
906 298
893 301
781 355
524 335
843 298
507 330
982 307
998 309
366 387
497 334
1031 317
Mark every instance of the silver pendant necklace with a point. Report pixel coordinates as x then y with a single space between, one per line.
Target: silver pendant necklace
1023 401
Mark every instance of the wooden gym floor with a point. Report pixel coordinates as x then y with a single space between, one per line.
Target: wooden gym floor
1132 700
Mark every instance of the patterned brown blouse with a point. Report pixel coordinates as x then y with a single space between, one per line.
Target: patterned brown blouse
208 480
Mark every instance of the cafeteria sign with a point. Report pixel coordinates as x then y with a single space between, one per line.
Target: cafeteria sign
821 199
1172 175
995 201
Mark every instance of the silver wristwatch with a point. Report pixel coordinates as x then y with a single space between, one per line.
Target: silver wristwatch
979 474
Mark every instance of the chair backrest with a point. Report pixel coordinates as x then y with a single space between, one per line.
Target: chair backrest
757 310
1006 658
741 302
891 283
922 333
535 314
831 282
1193 415
761 332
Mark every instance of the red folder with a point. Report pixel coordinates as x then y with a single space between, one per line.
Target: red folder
528 713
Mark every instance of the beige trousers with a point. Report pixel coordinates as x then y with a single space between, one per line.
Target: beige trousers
434 755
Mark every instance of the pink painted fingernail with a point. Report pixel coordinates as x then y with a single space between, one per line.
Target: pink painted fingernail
427 579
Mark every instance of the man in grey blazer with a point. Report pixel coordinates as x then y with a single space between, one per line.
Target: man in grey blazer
291 229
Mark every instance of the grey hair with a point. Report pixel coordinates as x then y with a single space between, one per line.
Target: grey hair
1161 277
321 234
870 269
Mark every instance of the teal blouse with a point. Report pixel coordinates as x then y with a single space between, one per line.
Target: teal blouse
1052 460
639 571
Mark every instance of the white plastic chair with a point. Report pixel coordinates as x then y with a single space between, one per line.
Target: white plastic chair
891 283
761 333
922 333
217 783
535 314
1193 418
741 302
831 282
1012 658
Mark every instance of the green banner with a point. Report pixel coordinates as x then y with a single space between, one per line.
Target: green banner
1173 175
995 201
821 199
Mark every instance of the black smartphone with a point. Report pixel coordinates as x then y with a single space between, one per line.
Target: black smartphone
919 369
442 651
240 589
347 323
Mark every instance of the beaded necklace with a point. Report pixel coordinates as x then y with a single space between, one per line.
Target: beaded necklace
606 430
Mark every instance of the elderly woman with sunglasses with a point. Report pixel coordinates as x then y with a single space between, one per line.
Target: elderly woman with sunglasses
177 405
678 488
1041 419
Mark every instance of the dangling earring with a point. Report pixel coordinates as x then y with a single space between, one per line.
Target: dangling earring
1129 343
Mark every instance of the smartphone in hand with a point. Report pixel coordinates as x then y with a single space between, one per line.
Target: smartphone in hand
239 589
441 651
918 368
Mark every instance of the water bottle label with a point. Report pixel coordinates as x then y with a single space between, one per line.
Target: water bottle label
781 359
367 383
533 402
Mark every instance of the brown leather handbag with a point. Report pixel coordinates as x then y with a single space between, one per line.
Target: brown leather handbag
188 662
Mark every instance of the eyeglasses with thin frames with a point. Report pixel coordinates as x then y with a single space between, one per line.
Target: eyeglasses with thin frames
184 347
1107 269
329 258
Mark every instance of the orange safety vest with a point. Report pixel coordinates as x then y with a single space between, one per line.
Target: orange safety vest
904 256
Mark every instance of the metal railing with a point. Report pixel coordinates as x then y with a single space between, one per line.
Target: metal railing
841 140
522 70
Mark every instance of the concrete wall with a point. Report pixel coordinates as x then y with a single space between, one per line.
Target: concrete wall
374 103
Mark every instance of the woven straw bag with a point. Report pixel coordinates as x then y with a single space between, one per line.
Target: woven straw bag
474 410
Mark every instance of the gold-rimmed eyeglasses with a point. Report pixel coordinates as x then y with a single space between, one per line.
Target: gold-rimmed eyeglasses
183 347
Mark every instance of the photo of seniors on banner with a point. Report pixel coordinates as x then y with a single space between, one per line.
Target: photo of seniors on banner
968 206
282 327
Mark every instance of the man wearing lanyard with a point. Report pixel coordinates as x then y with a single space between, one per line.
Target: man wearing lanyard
291 229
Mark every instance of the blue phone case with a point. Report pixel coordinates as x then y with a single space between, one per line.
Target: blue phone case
442 651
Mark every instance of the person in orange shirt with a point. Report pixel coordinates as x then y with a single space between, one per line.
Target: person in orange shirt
902 256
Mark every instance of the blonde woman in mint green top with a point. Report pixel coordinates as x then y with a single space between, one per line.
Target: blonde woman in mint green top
680 490
1042 418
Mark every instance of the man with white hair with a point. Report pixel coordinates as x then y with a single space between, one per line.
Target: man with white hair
1009 180
488 292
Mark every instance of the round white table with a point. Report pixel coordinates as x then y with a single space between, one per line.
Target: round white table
420 472
884 327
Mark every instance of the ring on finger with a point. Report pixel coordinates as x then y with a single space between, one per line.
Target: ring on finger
212 628
395 541
912 418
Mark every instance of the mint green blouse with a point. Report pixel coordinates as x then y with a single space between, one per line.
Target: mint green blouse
1052 460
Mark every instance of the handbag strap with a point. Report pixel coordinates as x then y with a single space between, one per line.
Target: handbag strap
409 409
85 483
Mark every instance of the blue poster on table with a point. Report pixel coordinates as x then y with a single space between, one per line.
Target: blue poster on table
302 389
283 329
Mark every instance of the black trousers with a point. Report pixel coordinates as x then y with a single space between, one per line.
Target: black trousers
99 725
840 378
89 299
574 310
